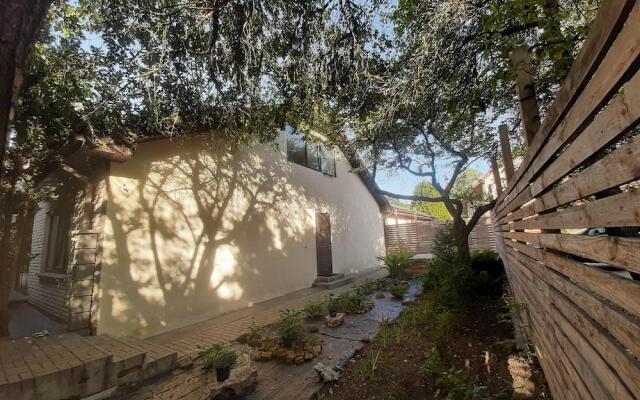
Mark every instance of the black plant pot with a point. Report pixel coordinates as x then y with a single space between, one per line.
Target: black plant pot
222 374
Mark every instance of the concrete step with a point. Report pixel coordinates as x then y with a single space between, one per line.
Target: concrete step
333 283
158 358
51 368
331 278
127 360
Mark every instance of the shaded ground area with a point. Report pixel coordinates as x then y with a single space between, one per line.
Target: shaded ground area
284 381
398 364
275 379
228 327
25 320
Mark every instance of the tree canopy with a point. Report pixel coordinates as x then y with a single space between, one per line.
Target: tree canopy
435 210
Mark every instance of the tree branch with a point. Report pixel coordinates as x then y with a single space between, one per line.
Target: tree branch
479 212
454 205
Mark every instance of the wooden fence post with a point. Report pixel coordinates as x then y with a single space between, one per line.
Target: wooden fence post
528 102
507 157
496 175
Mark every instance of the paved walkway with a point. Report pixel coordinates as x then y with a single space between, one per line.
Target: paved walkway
230 326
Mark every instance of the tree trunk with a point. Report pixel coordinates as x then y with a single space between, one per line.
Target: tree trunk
462 240
7 274
20 21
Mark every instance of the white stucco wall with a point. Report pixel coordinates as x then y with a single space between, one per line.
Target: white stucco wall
193 228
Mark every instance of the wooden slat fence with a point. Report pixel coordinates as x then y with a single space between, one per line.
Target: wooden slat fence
417 236
482 236
581 170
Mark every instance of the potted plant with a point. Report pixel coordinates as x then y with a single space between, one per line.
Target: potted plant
215 356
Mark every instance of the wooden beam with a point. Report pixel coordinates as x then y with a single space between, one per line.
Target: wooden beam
496 175
528 103
617 168
507 157
74 173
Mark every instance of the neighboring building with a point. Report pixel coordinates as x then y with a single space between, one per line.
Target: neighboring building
192 227
487 184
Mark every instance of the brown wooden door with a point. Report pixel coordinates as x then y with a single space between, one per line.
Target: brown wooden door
323 244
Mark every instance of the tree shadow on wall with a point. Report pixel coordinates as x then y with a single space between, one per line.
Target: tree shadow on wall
191 234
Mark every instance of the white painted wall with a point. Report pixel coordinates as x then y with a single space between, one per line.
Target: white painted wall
195 229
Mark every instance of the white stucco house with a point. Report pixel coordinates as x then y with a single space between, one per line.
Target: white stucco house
142 239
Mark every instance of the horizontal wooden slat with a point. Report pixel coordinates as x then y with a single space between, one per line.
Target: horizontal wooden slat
594 368
617 168
619 324
555 346
620 210
619 291
611 353
616 251
617 118
606 26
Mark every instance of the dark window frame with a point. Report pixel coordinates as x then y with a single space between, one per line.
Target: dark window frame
58 239
319 148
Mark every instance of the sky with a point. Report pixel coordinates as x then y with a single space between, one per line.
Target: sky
404 182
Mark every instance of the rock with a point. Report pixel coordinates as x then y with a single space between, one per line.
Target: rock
280 353
380 294
365 339
241 382
316 350
333 322
407 302
263 355
344 359
308 356
290 356
326 373
299 359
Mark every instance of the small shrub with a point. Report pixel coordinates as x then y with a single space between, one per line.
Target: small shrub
254 337
367 368
385 333
368 287
397 262
489 272
400 332
215 356
433 365
353 302
444 325
453 381
444 244
381 284
290 327
315 309
333 304
398 291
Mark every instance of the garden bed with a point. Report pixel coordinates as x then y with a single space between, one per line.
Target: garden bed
400 362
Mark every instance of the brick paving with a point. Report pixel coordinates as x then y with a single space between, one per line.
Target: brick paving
229 326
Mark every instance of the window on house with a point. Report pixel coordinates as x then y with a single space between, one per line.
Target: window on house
313 155
57 253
